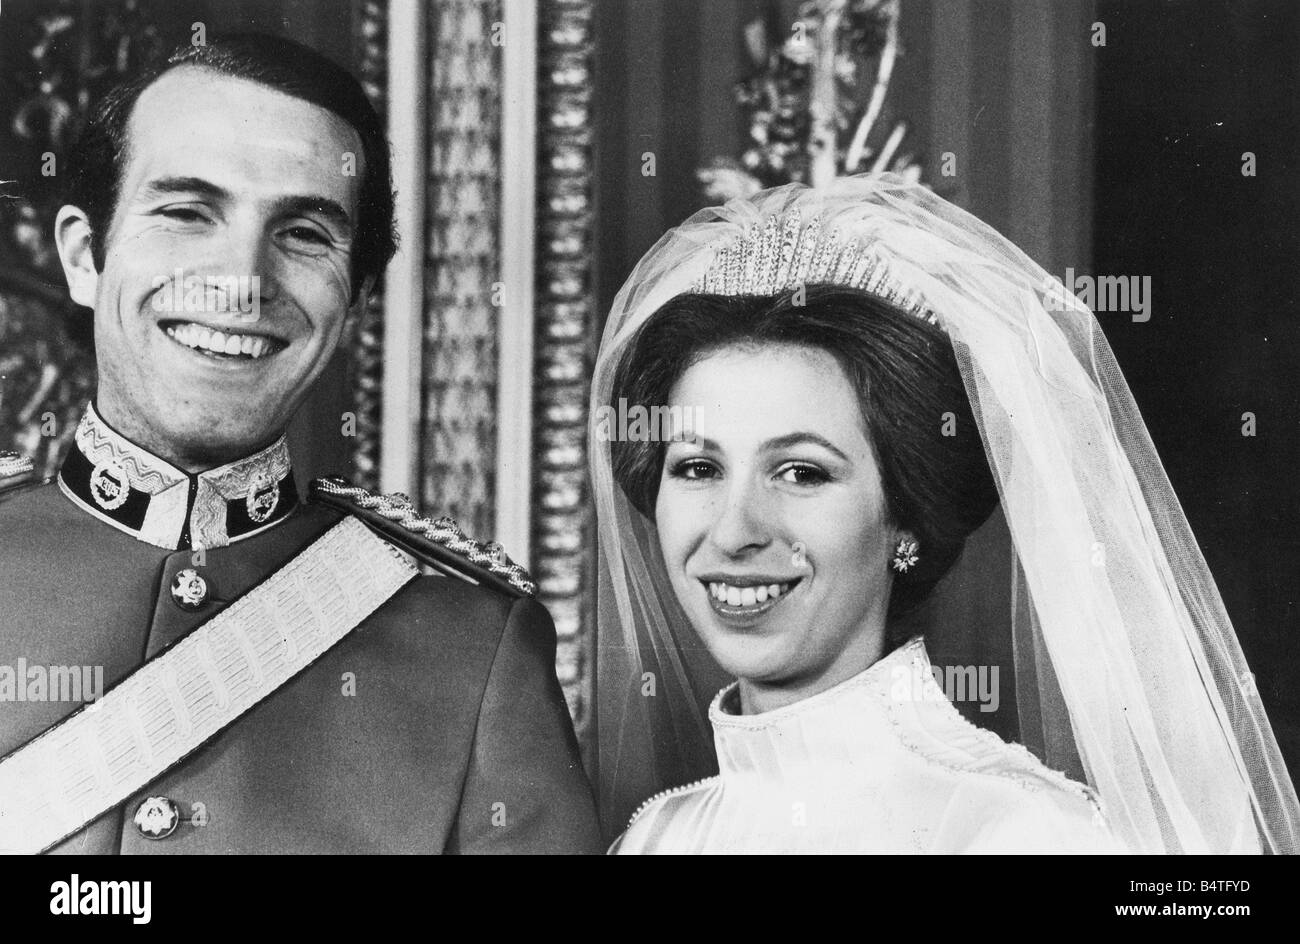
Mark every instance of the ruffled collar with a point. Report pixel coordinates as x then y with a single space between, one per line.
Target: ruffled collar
131 489
861 717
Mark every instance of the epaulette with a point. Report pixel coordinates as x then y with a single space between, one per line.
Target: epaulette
438 542
16 473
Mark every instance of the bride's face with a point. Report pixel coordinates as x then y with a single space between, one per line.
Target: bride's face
773 522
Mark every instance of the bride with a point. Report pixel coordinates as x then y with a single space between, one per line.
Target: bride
868 371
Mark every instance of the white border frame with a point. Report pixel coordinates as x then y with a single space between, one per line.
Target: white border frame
399 452
516 241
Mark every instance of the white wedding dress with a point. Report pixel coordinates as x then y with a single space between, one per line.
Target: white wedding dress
868 766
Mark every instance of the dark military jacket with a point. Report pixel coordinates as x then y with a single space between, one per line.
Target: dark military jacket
436 726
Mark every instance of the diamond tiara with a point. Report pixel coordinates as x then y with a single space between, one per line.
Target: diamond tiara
782 253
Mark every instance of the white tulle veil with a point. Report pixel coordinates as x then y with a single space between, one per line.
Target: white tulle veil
1127 668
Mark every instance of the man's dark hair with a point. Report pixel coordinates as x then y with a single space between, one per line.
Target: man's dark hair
905 375
98 160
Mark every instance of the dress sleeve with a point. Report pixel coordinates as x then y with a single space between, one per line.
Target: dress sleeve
1049 821
526 790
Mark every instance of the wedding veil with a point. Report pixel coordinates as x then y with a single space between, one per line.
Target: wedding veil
1126 664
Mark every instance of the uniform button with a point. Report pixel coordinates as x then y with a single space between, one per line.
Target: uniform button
157 817
189 590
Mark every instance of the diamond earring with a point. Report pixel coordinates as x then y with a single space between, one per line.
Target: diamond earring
905 556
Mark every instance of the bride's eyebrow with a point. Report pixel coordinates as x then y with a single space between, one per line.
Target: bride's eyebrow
800 438
701 442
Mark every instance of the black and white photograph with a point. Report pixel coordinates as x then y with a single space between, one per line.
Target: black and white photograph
765 427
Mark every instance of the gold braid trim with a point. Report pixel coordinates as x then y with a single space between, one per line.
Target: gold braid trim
440 532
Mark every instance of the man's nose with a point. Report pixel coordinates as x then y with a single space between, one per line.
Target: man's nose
743 522
248 253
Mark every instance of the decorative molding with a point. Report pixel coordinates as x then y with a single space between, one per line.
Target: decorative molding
826 73
565 335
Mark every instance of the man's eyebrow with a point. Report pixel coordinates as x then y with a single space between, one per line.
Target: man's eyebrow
169 186
331 210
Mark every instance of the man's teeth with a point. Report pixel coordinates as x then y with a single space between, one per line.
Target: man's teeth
201 338
747 596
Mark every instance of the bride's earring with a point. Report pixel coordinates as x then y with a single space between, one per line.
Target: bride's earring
905 556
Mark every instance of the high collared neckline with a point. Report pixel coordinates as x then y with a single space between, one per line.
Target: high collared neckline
857 718
131 489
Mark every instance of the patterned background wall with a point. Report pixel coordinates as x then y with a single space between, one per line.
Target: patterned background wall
458 442
56 59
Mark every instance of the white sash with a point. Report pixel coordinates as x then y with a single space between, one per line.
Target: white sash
99 756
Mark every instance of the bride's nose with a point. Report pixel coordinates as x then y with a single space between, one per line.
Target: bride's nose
742 523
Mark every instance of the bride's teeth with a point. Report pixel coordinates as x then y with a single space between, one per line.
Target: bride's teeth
747 596
217 342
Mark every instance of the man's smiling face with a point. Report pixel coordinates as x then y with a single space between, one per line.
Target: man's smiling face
223 179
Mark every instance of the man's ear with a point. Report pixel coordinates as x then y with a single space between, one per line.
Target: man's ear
363 297
352 320
72 236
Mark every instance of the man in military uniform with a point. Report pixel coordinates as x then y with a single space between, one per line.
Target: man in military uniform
174 526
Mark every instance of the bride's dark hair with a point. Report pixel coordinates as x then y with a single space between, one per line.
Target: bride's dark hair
932 461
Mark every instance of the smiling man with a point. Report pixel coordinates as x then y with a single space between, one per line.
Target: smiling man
305 690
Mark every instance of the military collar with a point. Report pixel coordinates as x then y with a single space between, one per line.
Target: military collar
130 488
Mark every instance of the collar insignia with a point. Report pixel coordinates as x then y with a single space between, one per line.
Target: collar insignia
263 496
109 485
133 490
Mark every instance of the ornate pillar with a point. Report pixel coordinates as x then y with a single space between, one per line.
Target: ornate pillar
565 332
458 430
